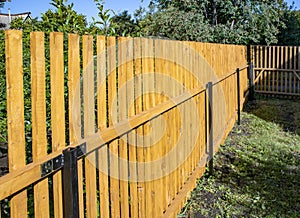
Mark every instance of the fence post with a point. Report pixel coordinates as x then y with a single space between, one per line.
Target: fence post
70 184
251 82
238 95
210 141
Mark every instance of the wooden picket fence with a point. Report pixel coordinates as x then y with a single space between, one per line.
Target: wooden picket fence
133 122
276 69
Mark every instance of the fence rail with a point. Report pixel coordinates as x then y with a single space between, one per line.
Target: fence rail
276 69
119 127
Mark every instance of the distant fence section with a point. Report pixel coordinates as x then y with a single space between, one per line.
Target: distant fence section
276 69
118 127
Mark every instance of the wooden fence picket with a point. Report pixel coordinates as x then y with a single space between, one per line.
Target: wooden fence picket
276 70
74 107
123 50
39 132
89 123
150 84
15 114
57 111
102 124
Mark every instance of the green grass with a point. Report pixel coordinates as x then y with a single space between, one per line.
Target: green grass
257 170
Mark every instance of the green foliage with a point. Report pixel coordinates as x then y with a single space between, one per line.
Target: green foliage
180 24
291 34
236 22
124 25
3 119
62 19
102 25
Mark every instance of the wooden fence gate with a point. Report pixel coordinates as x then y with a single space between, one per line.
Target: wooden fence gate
276 69
114 127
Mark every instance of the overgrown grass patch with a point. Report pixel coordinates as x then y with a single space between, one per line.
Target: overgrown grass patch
257 170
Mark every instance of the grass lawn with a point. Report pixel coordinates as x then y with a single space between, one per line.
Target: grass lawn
257 170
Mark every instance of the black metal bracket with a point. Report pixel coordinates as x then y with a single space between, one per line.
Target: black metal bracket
52 165
58 162
80 150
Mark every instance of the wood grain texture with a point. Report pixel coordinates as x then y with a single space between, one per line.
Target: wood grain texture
125 128
124 51
102 124
39 134
140 130
89 123
74 106
15 114
113 115
57 111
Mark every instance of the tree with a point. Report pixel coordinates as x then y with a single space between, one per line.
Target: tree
232 21
291 34
125 25
103 24
180 24
62 19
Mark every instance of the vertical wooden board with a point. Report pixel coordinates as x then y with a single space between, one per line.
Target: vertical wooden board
89 123
281 66
168 71
139 132
192 84
298 58
298 67
286 74
186 115
290 74
198 85
39 135
177 122
276 88
261 58
102 123
164 70
113 146
273 58
181 79
57 111
294 68
290 57
156 152
261 66
123 50
269 75
173 125
15 114
133 185
74 106
256 54
148 84
265 78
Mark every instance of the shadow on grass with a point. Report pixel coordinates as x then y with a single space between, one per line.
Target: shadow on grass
257 170
285 112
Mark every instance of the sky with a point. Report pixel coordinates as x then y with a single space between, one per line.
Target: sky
86 7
